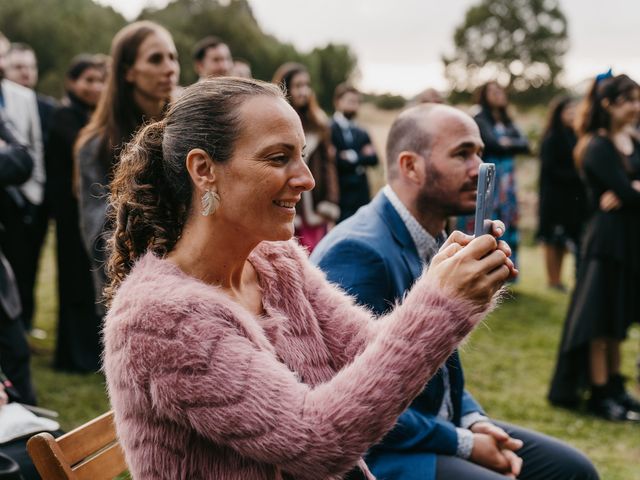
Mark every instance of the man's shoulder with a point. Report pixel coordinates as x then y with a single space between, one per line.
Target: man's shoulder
365 231
12 89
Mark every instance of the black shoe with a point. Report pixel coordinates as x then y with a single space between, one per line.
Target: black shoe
618 391
610 409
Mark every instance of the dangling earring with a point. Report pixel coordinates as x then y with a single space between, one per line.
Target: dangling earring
210 201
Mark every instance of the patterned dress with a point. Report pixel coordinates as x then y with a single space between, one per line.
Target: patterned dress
505 202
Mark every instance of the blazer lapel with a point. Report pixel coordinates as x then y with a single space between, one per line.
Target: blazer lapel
400 234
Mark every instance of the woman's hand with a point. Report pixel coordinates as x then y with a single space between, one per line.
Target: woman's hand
636 185
609 201
472 269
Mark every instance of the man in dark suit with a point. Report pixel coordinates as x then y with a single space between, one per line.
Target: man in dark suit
354 151
433 155
15 168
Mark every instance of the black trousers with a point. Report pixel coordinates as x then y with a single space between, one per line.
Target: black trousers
544 458
15 356
22 245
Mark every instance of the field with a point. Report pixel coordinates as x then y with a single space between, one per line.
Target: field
508 360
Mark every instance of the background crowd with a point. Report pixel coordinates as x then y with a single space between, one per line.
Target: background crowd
589 196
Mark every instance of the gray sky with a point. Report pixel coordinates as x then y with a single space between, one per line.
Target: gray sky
400 43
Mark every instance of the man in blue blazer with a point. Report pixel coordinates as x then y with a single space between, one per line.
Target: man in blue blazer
433 154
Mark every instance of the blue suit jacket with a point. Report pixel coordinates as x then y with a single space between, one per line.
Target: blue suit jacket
373 257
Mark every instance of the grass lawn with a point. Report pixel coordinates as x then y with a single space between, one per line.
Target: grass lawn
508 363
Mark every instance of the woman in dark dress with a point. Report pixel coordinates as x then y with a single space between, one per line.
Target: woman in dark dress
563 200
78 343
606 299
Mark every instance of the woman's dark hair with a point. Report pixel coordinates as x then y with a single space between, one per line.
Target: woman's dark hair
151 191
313 117
592 117
83 62
117 116
554 118
481 98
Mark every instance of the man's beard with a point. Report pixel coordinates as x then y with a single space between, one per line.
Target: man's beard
350 115
434 198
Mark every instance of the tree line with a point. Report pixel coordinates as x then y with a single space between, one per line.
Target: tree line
521 43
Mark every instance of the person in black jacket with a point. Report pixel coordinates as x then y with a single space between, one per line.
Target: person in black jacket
605 301
15 168
354 151
78 341
563 200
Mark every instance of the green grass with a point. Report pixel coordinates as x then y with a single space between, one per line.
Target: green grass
508 362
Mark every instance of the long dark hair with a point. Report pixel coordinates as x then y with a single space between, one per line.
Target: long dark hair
554 118
592 117
313 117
151 191
117 116
482 100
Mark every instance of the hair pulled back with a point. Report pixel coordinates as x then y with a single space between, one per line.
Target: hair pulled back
151 191
592 117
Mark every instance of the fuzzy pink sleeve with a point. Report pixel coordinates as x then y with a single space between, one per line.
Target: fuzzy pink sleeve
202 371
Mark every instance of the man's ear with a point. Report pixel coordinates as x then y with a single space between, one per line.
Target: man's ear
411 166
201 168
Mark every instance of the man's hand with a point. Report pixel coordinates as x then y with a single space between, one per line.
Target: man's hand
368 150
636 185
4 398
494 448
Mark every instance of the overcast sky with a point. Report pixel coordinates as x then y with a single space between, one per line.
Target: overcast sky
399 43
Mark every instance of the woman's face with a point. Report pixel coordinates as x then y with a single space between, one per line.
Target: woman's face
262 182
155 72
300 90
496 96
568 114
625 110
89 85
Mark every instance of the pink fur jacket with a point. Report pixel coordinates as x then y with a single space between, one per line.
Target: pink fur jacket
202 389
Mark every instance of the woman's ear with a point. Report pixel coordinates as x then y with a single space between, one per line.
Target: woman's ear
201 169
605 103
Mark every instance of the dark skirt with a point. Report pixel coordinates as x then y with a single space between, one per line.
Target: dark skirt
604 304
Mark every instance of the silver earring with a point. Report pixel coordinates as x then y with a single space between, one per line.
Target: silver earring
210 201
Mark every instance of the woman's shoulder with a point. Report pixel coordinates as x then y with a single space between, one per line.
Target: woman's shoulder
599 148
284 258
89 148
156 296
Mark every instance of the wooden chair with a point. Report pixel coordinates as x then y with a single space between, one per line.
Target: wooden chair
89 452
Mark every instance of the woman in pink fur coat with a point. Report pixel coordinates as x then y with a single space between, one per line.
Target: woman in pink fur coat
227 355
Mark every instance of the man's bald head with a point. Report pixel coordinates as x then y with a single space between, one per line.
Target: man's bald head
414 130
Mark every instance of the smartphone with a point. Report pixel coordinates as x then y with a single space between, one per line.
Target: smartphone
484 199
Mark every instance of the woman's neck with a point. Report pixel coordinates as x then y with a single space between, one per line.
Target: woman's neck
496 113
205 252
151 107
